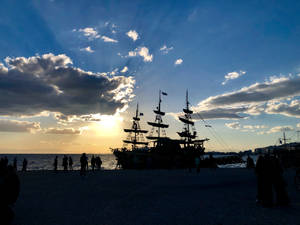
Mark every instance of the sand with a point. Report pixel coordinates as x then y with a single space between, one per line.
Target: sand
224 196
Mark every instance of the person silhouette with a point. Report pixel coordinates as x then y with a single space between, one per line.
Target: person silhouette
250 163
83 164
65 163
9 192
55 163
15 164
93 162
70 163
25 162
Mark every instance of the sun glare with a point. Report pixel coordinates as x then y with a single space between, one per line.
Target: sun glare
108 125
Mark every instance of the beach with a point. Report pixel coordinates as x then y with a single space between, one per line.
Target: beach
223 196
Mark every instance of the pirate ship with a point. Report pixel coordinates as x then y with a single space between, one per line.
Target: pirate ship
160 151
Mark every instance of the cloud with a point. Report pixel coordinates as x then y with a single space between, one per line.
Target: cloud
89 32
18 126
87 49
178 62
71 131
107 39
165 50
143 52
280 129
49 83
133 35
259 92
124 70
234 125
232 76
266 97
291 109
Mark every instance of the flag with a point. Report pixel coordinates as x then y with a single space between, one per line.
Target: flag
164 93
207 125
141 114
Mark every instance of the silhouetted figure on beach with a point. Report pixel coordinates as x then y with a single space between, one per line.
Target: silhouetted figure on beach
5 161
212 162
269 176
9 192
250 163
25 162
65 163
93 162
70 163
278 182
83 164
55 163
15 164
98 162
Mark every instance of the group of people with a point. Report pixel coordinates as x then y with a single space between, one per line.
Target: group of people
67 163
4 161
96 162
269 178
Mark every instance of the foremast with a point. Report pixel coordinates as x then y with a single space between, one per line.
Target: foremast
135 133
189 134
158 126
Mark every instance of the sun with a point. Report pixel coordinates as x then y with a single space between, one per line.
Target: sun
109 125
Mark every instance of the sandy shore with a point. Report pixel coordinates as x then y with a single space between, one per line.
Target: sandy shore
224 196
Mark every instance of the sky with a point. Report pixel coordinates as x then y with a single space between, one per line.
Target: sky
72 72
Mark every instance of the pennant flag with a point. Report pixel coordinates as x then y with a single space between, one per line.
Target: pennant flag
164 93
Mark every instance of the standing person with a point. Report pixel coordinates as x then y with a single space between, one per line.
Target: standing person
70 163
83 164
250 163
100 162
93 162
24 168
65 163
55 163
15 164
279 184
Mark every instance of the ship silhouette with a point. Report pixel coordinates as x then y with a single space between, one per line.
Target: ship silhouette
161 151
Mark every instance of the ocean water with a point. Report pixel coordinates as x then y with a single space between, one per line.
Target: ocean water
45 161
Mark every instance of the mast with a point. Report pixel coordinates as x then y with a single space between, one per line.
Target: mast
135 133
158 125
189 133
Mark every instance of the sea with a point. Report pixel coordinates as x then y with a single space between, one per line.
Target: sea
45 161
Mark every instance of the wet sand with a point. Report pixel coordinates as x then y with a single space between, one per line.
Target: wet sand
224 196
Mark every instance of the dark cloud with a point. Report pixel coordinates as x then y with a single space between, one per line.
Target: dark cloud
48 83
259 92
18 126
254 100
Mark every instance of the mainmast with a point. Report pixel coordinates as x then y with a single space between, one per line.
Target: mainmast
187 135
158 125
135 133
